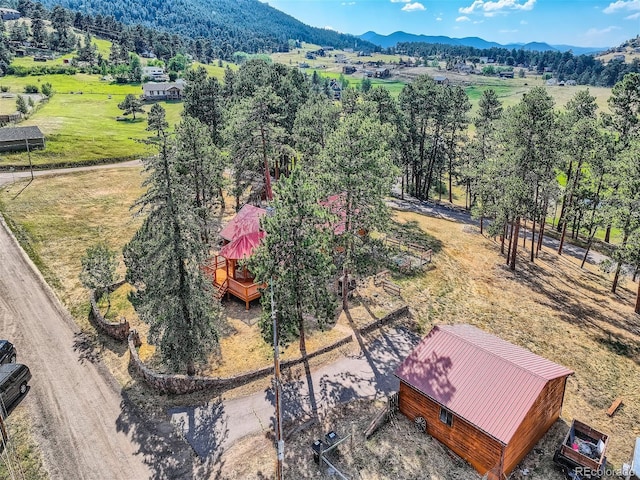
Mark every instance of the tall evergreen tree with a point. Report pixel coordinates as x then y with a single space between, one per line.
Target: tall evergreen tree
256 138
164 261
201 166
157 119
358 169
202 99
294 259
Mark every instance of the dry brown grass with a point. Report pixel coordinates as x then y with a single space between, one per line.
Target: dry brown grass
63 215
552 308
397 450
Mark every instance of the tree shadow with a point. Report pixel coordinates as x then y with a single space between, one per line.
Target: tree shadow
205 429
579 310
164 451
87 347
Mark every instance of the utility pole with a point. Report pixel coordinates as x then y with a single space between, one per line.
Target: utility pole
276 368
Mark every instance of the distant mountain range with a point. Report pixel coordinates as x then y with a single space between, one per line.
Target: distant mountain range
387 41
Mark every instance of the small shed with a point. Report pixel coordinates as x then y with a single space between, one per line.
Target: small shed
441 80
486 399
13 139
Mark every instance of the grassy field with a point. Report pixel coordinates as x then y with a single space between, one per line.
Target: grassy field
79 121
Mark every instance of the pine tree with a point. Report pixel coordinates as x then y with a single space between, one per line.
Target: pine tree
358 169
131 105
255 138
21 105
163 262
157 119
202 166
202 99
294 259
99 269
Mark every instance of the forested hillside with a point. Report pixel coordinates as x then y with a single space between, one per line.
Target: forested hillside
584 69
247 25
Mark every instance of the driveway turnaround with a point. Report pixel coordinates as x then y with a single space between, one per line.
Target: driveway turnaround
213 428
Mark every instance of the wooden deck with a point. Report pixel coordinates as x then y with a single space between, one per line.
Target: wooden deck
245 290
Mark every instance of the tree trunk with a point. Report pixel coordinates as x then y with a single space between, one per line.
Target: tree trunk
637 309
586 252
345 288
564 232
511 241
616 277
524 236
481 222
607 234
303 345
516 228
533 239
502 238
543 223
450 182
267 173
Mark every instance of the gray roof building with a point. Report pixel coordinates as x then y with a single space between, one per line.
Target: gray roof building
18 138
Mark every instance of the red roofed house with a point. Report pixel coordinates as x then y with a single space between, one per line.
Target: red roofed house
486 399
241 236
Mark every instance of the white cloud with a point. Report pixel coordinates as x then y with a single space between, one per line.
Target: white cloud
594 32
439 19
413 7
635 16
400 1
621 5
508 31
329 27
463 19
524 22
347 3
490 8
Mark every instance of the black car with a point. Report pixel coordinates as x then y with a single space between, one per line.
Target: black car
14 380
7 352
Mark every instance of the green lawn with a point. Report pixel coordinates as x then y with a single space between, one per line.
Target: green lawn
214 70
83 127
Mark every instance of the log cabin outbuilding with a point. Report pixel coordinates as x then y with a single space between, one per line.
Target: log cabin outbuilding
487 400
14 139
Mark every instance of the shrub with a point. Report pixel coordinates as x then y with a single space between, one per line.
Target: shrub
4 88
46 89
31 89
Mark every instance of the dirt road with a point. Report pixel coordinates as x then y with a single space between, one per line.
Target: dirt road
10 177
76 410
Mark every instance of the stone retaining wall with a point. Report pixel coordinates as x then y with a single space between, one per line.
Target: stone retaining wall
119 331
180 384
404 310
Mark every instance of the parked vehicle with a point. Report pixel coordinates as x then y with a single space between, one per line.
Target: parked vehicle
583 452
14 381
7 352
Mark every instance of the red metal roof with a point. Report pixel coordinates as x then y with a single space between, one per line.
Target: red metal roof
242 246
246 221
481 378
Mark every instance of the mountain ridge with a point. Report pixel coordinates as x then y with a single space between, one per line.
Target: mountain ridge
247 25
387 41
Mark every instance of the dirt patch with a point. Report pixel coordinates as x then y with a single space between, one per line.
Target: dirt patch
398 450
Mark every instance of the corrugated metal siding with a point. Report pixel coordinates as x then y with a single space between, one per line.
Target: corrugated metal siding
481 378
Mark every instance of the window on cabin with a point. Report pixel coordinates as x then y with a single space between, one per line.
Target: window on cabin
446 416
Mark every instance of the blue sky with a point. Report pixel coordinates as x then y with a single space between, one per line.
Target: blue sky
586 23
